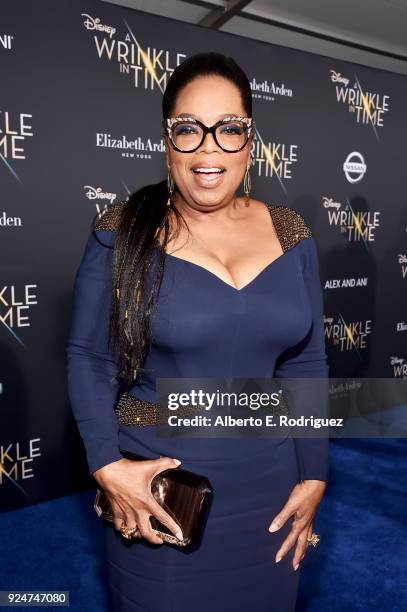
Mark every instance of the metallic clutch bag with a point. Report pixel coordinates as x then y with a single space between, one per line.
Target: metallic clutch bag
184 495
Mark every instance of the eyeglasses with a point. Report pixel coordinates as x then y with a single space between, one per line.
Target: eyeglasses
187 134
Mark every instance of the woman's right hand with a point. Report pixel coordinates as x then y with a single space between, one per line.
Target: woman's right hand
127 485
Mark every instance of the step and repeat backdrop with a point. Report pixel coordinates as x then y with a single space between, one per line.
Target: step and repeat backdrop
80 112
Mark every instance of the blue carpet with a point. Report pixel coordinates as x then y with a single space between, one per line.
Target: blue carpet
360 563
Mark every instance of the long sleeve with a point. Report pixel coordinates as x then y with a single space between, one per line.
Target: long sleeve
308 360
91 369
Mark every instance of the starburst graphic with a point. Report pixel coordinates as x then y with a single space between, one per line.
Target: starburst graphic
148 64
349 335
12 332
357 225
269 156
11 169
366 106
3 471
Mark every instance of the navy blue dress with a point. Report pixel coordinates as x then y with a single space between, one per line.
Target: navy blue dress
203 327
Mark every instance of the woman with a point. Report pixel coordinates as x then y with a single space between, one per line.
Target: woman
218 294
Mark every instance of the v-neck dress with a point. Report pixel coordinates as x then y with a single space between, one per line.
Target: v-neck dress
203 327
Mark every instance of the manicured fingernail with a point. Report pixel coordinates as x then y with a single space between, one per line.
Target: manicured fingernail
177 461
278 559
296 566
179 535
273 527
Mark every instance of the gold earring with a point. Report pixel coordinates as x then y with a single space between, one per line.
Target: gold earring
170 186
247 185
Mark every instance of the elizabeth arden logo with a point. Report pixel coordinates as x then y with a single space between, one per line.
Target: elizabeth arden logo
9 221
269 91
133 148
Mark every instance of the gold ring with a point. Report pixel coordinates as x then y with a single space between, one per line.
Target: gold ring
313 540
127 532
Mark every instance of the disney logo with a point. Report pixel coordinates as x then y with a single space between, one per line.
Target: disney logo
94 24
97 194
329 203
395 360
336 77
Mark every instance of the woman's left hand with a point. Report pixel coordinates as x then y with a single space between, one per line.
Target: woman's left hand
302 503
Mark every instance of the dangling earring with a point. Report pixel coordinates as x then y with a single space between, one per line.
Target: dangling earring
247 185
170 186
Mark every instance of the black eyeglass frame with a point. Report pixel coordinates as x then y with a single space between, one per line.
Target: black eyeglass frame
171 121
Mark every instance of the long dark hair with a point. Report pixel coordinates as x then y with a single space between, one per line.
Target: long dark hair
141 216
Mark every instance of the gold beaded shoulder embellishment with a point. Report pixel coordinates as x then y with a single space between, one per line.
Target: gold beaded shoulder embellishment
110 217
289 224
